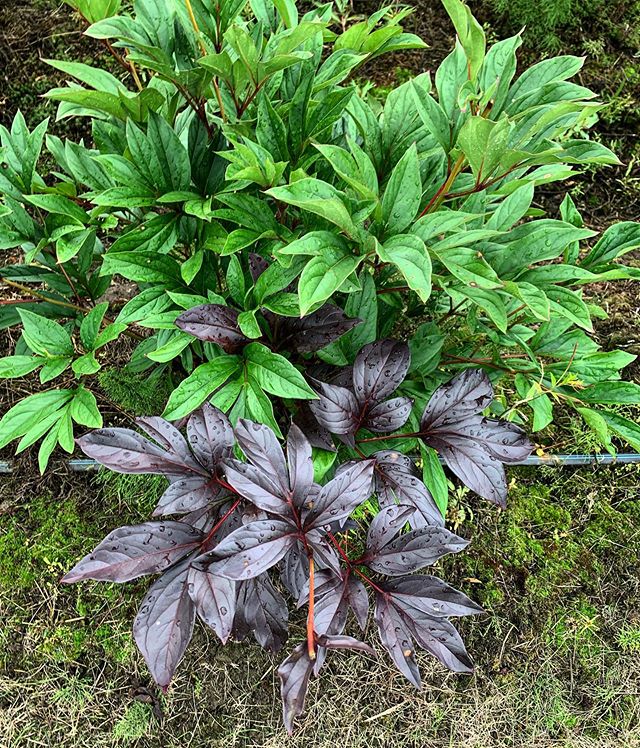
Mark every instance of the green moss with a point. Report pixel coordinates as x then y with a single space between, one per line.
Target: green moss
64 643
628 638
136 495
116 642
136 393
134 724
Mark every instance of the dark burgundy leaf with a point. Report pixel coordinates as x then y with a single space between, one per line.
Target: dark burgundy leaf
126 451
262 448
210 435
379 369
256 486
317 330
386 525
252 549
215 600
472 446
131 552
338 498
215 323
334 596
336 408
257 265
395 636
389 415
396 480
414 550
467 394
294 674
261 610
317 435
439 637
300 462
294 571
189 495
323 552
167 436
430 595
345 642
164 624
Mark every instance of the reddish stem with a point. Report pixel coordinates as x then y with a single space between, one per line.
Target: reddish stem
221 521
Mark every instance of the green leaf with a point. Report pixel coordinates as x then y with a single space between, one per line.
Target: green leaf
259 405
470 33
275 374
323 276
142 267
597 423
568 303
426 346
25 414
314 243
434 478
483 142
623 427
18 366
60 206
616 241
611 393
403 193
150 301
110 332
433 116
322 462
86 365
533 297
318 197
90 326
409 254
191 267
53 367
235 280
44 336
249 324
196 388
173 347
84 409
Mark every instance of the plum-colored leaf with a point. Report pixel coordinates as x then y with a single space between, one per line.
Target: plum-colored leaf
414 550
469 393
210 435
262 448
215 323
345 642
134 551
386 525
389 415
261 610
253 549
164 624
397 481
215 600
256 486
439 636
395 636
257 265
336 408
126 451
338 498
317 435
379 369
294 674
189 495
300 462
430 595
315 331
294 570
472 446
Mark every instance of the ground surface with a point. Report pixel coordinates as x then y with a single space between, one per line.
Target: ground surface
557 573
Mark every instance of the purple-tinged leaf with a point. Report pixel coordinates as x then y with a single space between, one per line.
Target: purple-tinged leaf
126 451
315 331
345 642
467 394
300 462
294 571
189 495
257 265
397 480
379 369
431 596
261 610
294 674
323 552
318 436
386 525
334 596
214 599
134 551
256 486
473 447
262 448
336 408
395 636
164 624
338 498
168 437
440 637
210 435
215 323
252 549
414 550
389 415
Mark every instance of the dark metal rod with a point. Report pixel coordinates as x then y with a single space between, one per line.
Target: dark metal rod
560 460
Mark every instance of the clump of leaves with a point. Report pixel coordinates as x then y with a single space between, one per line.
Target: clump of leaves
248 529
